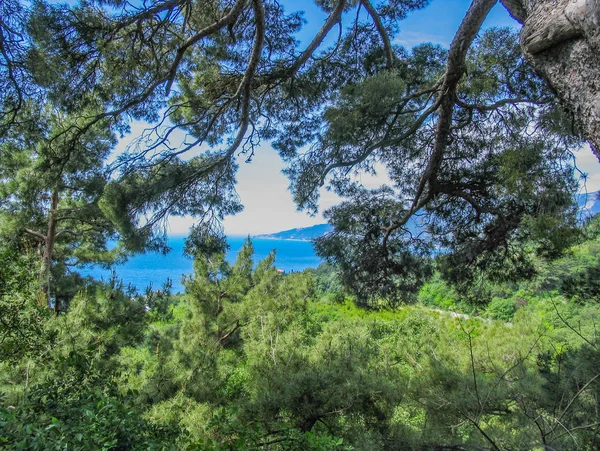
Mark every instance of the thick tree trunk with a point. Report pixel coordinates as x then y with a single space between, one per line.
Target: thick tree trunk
562 39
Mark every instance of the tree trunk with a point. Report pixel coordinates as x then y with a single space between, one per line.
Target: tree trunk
562 40
50 239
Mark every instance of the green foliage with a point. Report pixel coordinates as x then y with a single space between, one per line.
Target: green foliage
501 309
22 308
52 175
172 187
85 418
249 358
68 397
498 186
497 200
203 240
578 274
437 294
371 271
327 279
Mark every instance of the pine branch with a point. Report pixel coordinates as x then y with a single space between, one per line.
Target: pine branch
389 51
333 19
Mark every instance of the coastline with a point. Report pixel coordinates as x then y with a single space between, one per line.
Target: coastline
263 237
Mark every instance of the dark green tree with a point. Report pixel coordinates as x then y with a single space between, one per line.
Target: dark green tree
23 311
502 186
51 187
472 139
214 319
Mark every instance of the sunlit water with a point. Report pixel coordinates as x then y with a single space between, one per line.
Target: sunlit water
155 269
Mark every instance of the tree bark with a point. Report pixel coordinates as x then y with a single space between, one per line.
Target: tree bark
49 240
562 40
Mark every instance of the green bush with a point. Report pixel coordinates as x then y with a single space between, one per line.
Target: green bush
437 294
501 309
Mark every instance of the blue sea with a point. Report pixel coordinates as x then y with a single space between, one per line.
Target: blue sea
154 268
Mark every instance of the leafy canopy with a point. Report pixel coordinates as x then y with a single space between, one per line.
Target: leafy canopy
472 140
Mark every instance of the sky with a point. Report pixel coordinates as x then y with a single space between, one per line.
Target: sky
263 189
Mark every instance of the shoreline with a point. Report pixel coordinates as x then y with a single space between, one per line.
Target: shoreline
280 239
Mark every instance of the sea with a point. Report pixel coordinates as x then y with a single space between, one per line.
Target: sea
154 269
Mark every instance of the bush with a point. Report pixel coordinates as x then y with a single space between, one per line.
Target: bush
501 309
23 310
437 294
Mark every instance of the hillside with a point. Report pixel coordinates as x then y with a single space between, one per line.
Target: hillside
302 233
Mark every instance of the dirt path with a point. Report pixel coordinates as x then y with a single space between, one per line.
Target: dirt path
463 315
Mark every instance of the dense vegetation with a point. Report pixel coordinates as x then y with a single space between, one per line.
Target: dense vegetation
476 147
248 358
458 305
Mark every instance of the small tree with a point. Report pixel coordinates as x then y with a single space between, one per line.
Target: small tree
51 186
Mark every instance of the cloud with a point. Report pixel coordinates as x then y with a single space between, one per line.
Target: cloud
268 204
410 39
588 163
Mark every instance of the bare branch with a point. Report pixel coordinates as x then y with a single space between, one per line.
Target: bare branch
148 13
227 19
333 18
578 333
446 100
389 51
499 104
35 234
576 428
63 232
454 71
380 144
573 399
245 87
238 325
473 372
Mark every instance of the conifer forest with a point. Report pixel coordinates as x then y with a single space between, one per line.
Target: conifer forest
458 303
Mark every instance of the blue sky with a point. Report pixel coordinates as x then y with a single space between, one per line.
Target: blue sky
262 187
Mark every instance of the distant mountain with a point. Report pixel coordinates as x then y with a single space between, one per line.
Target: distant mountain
589 205
302 233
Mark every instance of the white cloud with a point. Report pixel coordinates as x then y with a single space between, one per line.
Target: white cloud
588 163
268 204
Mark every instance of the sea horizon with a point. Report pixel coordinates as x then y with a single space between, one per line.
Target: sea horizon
155 269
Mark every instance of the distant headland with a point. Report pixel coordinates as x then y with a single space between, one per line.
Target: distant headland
589 205
299 234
